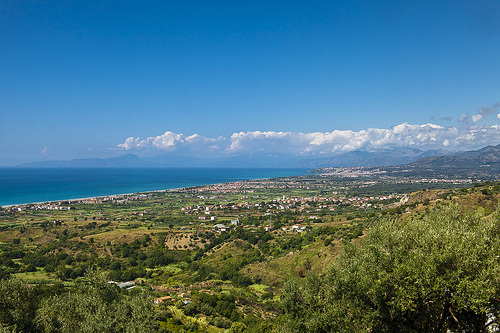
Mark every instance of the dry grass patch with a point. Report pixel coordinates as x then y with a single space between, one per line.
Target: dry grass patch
182 241
315 257
119 236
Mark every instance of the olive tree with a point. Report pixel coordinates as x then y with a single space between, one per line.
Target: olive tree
97 306
17 306
441 274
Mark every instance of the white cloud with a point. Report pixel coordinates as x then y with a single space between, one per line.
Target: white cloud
130 143
167 141
338 141
45 151
170 141
427 136
258 141
477 117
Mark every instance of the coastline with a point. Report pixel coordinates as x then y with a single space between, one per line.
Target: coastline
115 195
76 199
128 194
109 196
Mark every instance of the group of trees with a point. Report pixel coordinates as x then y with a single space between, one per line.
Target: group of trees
440 274
92 306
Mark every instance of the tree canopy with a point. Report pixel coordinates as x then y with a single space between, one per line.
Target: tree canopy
438 274
92 306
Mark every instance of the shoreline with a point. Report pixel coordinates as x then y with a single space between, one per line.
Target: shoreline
134 193
105 196
25 188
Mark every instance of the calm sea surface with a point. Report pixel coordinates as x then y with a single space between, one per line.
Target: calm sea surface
26 185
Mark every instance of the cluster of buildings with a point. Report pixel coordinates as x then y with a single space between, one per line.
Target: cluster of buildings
297 204
66 205
310 208
249 186
41 206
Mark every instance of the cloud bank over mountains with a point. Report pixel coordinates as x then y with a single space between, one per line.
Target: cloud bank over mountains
469 135
170 141
427 136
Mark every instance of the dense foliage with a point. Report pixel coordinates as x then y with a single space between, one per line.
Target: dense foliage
92 306
438 274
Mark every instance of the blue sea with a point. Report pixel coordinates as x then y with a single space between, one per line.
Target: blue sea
28 185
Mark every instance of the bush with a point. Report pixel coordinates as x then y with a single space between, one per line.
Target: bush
237 328
222 323
207 310
190 309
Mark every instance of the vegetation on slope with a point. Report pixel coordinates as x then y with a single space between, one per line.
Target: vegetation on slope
438 274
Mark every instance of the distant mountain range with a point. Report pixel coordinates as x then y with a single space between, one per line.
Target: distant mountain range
486 156
396 156
125 161
402 162
482 163
350 159
167 160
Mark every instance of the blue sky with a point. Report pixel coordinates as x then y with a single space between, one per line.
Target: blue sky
212 78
